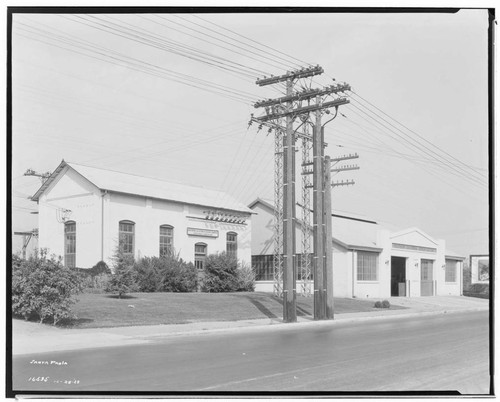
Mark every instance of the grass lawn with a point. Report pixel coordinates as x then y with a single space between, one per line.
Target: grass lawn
102 310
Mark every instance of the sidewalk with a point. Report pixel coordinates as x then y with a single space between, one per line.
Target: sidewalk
31 337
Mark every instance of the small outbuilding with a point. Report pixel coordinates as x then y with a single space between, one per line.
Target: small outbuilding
86 212
369 261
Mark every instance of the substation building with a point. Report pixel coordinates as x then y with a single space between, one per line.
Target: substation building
84 212
369 261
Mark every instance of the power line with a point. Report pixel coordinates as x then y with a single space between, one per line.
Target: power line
431 152
136 64
245 44
456 169
301 62
189 52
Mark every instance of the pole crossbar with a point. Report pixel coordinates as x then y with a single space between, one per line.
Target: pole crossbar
304 95
305 109
291 75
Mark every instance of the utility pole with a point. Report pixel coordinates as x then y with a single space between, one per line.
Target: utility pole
26 239
318 193
290 271
328 264
290 108
43 176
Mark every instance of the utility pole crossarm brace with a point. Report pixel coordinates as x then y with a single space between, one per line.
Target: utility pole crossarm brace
303 73
345 157
342 183
305 109
344 168
304 95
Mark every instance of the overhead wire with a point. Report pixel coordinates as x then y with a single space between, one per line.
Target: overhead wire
167 45
418 135
221 40
456 170
112 57
254 41
274 57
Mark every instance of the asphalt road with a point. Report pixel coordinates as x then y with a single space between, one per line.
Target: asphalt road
428 353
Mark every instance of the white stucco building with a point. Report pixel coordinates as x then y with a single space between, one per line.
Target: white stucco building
368 260
84 212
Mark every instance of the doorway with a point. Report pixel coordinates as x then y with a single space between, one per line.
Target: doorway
398 276
426 278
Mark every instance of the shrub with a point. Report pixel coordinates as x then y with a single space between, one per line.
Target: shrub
95 279
177 275
378 304
100 268
147 274
43 288
246 278
222 273
122 279
168 273
386 304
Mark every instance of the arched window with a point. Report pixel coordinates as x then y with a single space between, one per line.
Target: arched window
166 240
232 244
126 236
200 255
70 244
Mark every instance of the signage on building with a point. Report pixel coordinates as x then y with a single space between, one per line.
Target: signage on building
202 232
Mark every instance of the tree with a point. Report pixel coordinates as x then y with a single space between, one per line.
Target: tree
122 279
43 287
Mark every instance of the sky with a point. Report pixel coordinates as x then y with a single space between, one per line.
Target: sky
170 96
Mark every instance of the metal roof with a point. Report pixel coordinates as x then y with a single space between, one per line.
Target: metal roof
349 232
148 187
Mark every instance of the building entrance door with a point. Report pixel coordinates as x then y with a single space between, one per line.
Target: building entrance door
398 276
426 278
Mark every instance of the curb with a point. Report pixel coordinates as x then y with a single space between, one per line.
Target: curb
238 326
288 326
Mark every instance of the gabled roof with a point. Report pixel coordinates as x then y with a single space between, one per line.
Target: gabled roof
347 231
411 230
126 183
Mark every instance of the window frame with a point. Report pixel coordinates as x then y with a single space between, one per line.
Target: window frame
448 270
364 273
71 255
200 258
231 244
169 247
123 232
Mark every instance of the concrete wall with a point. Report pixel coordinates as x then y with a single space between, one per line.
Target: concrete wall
342 272
149 214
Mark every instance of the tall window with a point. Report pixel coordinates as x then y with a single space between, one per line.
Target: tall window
263 267
126 236
200 255
70 244
450 271
166 240
232 244
367 266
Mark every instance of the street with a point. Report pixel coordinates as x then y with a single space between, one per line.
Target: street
445 352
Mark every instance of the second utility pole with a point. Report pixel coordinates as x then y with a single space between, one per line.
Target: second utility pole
318 194
290 271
